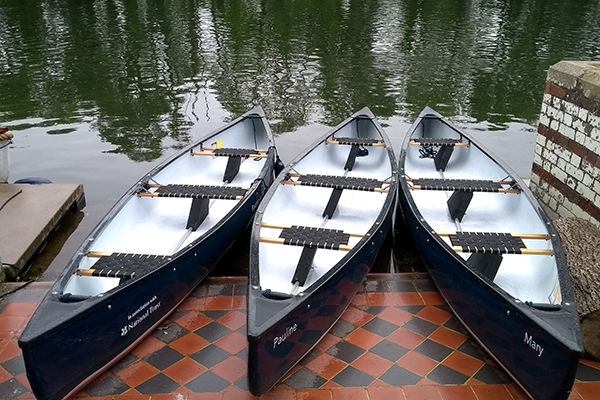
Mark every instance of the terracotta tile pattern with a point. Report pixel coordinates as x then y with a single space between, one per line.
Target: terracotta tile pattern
403 342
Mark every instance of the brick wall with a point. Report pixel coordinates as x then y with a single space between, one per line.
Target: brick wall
566 167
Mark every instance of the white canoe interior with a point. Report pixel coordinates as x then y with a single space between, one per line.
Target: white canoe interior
528 277
298 205
157 225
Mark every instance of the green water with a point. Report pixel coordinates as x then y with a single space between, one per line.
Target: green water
97 92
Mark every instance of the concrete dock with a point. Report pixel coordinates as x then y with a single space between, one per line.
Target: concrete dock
29 214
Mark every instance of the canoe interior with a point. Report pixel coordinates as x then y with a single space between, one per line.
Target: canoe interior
292 205
531 278
157 225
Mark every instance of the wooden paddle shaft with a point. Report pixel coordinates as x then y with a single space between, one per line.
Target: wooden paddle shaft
281 241
216 148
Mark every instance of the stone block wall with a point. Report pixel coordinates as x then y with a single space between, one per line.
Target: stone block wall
566 166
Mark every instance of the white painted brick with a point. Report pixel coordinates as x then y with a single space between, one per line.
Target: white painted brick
596 187
575 160
544 120
552 204
595 134
562 164
579 125
551 157
586 192
587 179
546 165
554 124
590 169
547 99
537 158
541 140
580 137
578 212
544 108
567 119
558 173
583 114
594 120
575 172
570 108
553 112
592 144
567 131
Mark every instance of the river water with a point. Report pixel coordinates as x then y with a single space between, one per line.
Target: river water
97 92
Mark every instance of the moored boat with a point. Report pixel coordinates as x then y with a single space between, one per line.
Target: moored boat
150 251
314 238
493 253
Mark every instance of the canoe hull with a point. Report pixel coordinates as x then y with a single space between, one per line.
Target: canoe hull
509 331
286 342
537 343
68 342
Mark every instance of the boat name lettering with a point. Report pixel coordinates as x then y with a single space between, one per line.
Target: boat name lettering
531 343
146 304
288 332
127 328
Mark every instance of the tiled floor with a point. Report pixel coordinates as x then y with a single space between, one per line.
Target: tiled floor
396 340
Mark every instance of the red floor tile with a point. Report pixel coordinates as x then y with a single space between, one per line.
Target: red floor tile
137 373
11 350
406 339
200 396
363 338
233 320
417 363
189 344
588 391
356 317
313 394
193 320
372 364
457 393
185 371
394 299
279 392
233 343
349 394
463 363
234 393
435 315
218 303
231 369
4 375
239 302
360 300
421 393
326 366
491 392
517 393
192 304
385 393
12 324
327 342
433 298
20 309
448 337
148 346
395 316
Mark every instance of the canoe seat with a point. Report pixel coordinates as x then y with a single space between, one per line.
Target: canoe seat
122 265
338 183
441 156
357 149
311 239
235 158
492 242
463 191
200 196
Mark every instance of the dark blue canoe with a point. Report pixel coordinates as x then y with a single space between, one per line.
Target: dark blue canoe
314 238
152 249
493 253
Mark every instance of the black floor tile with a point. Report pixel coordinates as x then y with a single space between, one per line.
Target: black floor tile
169 333
159 384
346 351
492 376
389 351
213 332
220 290
342 329
471 348
398 376
110 386
433 350
123 362
15 366
314 353
210 356
305 379
585 373
456 326
375 310
11 389
380 327
242 383
447 376
214 315
425 285
209 382
240 289
420 326
351 377
411 309
164 358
